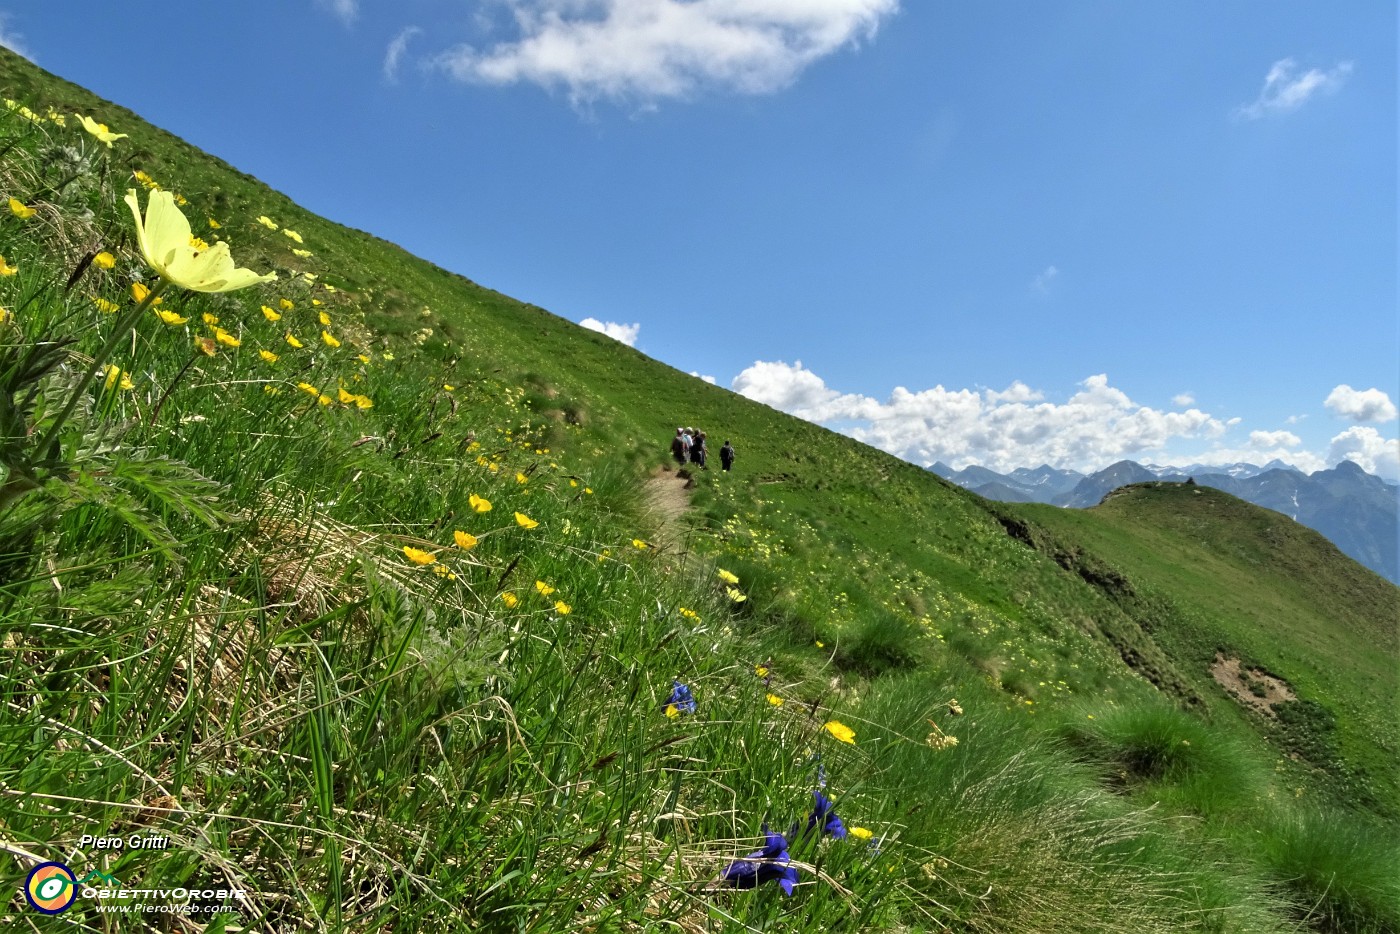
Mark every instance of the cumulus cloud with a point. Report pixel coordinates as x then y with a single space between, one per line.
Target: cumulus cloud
707 379
1370 450
626 333
646 50
1184 399
1361 405
1002 430
13 40
394 53
1286 89
1270 440
1041 283
347 10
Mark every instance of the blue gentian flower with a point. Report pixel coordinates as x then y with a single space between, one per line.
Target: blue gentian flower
771 862
824 813
681 700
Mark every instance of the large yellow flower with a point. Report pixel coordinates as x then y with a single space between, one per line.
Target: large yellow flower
270 315
544 589
6 269
99 130
840 731
105 260
164 238
464 540
479 503
169 317
418 556
524 521
21 210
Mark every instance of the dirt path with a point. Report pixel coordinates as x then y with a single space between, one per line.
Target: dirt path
667 498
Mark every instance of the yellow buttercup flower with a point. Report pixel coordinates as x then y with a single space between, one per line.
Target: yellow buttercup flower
104 306
524 521
727 577
465 540
325 319
842 732
760 671
21 210
209 319
292 233
286 304
268 355
329 339
364 358
205 346
146 181
418 556
105 260
387 356
304 254
197 243
225 338
6 269
562 608
214 225
638 544
735 594
139 293
775 700
544 589
364 402
448 387
479 503
99 130
293 341
266 222
270 315
509 599
442 571
521 478
169 317
346 397
164 238
115 373
861 833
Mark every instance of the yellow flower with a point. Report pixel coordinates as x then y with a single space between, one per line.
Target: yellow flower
521 478
638 544
164 238
464 540
169 317
419 557
7 270
139 293
821 644
21 210
105 260
270 315
197 243
842 732
268 355
387 356
292 340
292 233
727 577
346 397
671 711
210 320
99 130
364 358
364 402
509 599
325 319
760 671
311 278
735 594
861 833
479 503
286 304
329 339
775 700
302 253
562 608
544 589
266 222
205 346
104 306
214 225
588 490
225 338
442 571
145 180
115 373
309 389
447 387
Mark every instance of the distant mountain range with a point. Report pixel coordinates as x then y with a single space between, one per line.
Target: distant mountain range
1356 510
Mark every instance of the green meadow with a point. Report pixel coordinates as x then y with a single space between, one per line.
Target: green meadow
367 589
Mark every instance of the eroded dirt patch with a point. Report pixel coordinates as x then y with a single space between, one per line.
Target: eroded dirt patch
1253 687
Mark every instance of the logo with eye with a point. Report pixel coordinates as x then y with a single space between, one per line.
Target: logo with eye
51 888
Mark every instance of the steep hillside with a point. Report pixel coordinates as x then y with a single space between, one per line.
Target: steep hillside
345 587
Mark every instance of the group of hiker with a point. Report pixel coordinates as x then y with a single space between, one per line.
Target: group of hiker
689 447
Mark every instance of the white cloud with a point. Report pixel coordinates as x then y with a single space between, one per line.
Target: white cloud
1306 461
1368 449
1041 283
1001 430
347 10
13 40
1184 399
1285 89
1294 419
707 379
645 50
1361 405
626 333
1269 440
394 53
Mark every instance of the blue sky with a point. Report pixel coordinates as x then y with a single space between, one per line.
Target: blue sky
1000 233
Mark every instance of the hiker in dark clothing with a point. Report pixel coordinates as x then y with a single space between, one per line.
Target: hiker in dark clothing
698 450
678 450
726 455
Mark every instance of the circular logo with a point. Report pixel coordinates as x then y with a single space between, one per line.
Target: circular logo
51 888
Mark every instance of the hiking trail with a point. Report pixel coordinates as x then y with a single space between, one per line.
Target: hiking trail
666 497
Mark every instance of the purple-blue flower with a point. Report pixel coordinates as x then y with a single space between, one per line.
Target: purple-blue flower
771 862
824 813
681 700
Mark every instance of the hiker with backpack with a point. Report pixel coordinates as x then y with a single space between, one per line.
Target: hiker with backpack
726 456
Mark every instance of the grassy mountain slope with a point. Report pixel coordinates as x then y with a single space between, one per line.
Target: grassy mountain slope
253 602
